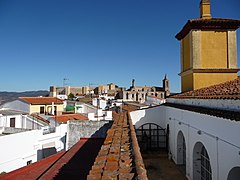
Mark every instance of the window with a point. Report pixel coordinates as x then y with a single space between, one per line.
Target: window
206 172
29 162
42 110
12 122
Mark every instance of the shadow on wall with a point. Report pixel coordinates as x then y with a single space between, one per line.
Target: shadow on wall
64 140
81 162
156 114
43 153
102 132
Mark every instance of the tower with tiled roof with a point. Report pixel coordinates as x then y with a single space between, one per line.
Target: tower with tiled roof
208 50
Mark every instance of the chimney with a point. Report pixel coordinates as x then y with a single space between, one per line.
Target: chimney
205 9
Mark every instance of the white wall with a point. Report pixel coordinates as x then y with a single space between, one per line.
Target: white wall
219 136
21 121
102 103
17 149
155 115
86 109
154 101
225 104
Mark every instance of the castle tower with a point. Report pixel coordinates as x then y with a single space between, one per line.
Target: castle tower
208 50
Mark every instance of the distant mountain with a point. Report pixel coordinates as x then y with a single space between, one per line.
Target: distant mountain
10 96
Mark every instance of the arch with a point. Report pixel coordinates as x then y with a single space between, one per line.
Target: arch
151 137
181 151
201 163
137 96
234 173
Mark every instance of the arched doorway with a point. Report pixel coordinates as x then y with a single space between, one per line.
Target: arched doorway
181 152
201 163
234 173
152 137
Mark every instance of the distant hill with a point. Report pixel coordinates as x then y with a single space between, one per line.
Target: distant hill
10 96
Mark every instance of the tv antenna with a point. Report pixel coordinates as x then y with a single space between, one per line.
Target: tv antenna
65 81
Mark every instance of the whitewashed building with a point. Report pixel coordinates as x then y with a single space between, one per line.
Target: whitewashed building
12 121
28 147
202 130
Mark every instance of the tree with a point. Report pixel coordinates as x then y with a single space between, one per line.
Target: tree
70 96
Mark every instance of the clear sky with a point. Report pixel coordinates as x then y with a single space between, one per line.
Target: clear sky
95 41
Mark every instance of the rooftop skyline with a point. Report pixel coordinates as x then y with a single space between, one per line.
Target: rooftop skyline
97 42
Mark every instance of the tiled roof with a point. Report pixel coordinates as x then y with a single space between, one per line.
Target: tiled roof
41 100
66 117
227 90
119 157
39 118
213 23
32 171
72 164
8 112
232 115
76 162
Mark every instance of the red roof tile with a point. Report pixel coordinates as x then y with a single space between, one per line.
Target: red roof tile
40 118
41 100
227 90
119 157
66 117
213 23
32 171
72 164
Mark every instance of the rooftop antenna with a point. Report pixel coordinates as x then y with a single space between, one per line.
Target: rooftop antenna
65 81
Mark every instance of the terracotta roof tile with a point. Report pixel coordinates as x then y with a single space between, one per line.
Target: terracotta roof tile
119 157
72 164
227 90
39 118
66 117
213 23
41 100
32 171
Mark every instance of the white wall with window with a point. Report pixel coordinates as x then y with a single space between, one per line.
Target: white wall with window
220 158
22 148
21 121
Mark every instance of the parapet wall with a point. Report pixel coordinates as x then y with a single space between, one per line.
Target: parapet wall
86 129
119 157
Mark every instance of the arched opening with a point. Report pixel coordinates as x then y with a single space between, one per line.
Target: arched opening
161 95
181 152
137 96
152 137
201 163
234 173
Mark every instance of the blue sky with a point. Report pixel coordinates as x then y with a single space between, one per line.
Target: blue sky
95 41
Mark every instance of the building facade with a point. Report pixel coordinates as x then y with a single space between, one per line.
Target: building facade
140 93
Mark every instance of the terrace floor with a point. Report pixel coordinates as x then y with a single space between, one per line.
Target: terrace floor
159 167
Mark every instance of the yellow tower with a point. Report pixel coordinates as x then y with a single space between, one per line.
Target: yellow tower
208 50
